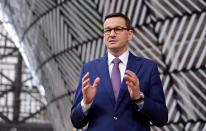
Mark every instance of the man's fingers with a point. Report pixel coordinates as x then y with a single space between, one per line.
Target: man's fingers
96 82
129 78
86 76
130 73
86 82
85 88
130 85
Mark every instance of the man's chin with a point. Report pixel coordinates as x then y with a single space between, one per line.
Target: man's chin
113 43
113 47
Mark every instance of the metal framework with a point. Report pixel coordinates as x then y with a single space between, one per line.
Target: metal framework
20 101
58 36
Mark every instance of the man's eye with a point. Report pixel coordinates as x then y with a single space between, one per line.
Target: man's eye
118 29
108 30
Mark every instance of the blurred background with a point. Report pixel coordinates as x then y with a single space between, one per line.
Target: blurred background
43 44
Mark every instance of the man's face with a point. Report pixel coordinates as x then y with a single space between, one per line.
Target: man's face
116 41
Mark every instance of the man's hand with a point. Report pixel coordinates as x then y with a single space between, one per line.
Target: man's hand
88 90
133 84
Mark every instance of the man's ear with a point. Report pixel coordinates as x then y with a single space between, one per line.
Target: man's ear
130 34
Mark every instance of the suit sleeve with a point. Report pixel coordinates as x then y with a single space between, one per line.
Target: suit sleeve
78 118
154 108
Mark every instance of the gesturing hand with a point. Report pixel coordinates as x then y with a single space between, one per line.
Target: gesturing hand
133 84
88 90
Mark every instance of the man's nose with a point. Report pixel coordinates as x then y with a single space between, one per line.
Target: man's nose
112 33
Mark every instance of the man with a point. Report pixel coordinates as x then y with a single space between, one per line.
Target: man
119 92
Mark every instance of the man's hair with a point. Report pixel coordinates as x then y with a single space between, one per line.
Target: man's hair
129 27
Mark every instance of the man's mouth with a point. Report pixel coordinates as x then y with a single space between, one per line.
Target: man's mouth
113 40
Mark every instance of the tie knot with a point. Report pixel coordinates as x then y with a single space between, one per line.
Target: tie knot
116 60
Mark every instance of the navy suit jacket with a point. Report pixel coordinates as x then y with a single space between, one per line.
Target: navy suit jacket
106 114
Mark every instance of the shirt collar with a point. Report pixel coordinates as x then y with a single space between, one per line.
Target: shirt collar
123 57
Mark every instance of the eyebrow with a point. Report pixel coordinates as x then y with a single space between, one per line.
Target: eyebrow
114 27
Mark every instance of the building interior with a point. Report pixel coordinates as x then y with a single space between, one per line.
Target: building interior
43 44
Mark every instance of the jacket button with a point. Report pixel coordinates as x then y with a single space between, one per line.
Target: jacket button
115 118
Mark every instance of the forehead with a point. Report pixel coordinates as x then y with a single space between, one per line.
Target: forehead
114 22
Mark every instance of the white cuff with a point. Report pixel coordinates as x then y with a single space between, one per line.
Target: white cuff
85 107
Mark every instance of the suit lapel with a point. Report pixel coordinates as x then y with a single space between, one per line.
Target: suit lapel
105 78
133 65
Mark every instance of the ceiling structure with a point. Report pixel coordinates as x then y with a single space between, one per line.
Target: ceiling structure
58 36
20 100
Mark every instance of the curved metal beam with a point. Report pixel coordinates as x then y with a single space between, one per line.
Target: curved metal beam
42 15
